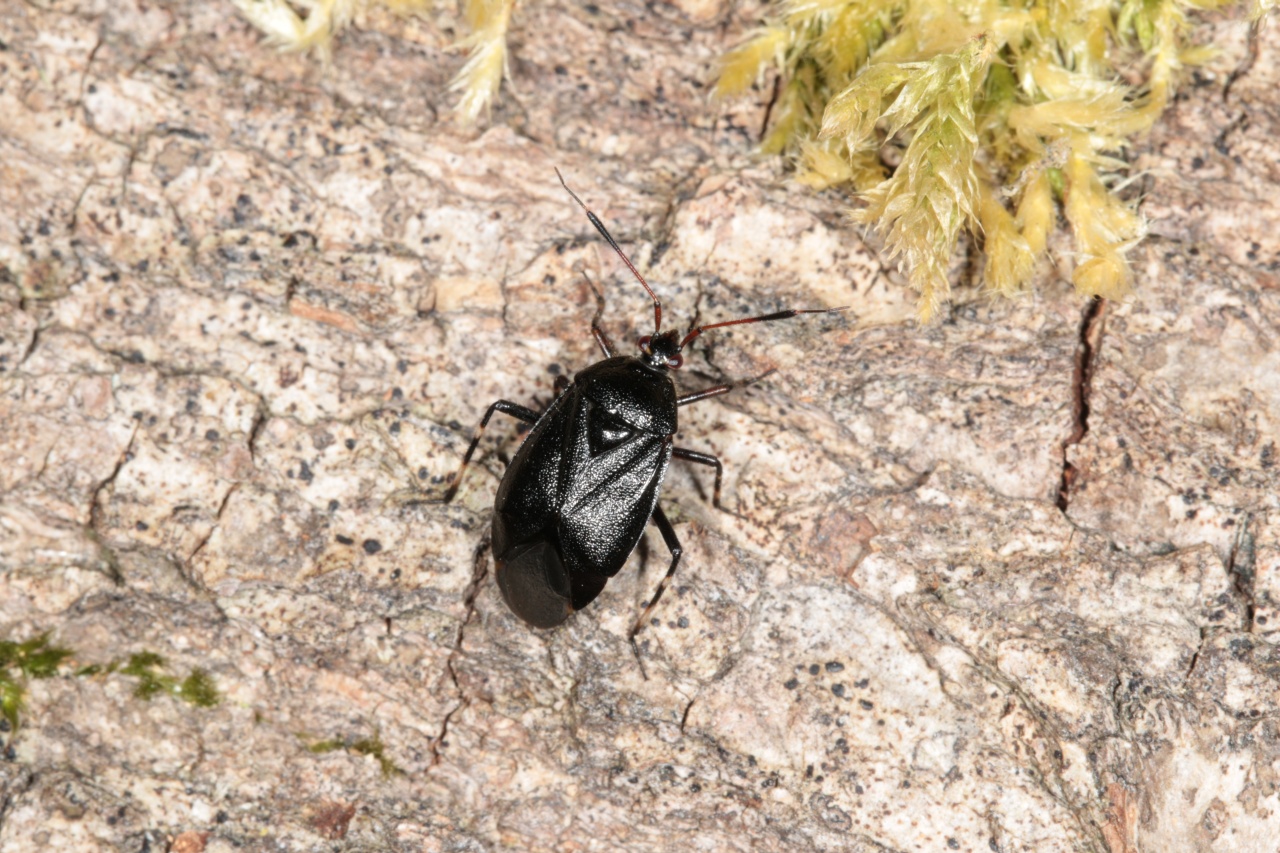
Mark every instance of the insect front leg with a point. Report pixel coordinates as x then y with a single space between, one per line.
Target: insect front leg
597 331
507 408
606 345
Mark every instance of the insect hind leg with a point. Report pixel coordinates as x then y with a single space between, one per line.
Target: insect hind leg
515 410
677 550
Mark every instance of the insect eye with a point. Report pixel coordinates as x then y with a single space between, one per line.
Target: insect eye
675 362
644 344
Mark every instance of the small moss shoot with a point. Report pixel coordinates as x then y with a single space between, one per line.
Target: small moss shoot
144 666
322 747
198 688
370 746
1002 114
374 747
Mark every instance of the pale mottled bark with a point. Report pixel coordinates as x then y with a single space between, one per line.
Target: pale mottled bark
247 303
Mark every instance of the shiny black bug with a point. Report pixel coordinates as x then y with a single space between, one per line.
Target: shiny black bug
575 500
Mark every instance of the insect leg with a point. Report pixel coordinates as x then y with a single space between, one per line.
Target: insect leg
597 331
703 459
606 346
673 545
713 391
507 408
717 390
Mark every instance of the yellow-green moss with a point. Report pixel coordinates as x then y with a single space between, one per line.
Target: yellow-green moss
1003 112
310 25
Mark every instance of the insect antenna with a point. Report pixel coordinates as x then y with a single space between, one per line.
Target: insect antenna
604 232
763 318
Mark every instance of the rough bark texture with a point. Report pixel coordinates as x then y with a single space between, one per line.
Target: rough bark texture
1010 582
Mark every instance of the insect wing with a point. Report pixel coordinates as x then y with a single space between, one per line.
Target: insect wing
529 496
608 493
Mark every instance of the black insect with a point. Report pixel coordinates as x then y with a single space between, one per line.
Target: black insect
575 500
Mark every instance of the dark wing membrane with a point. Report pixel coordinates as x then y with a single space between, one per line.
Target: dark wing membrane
607 499
527 500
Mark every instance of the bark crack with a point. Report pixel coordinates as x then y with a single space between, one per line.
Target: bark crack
478 573
213 528
260 416
32 344
1247 62
1241 568
684 718
1091 330
1195 656
95 509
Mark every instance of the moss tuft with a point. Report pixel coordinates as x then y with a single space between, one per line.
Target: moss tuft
144 666
478 81
34 658
199 689
1002 112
